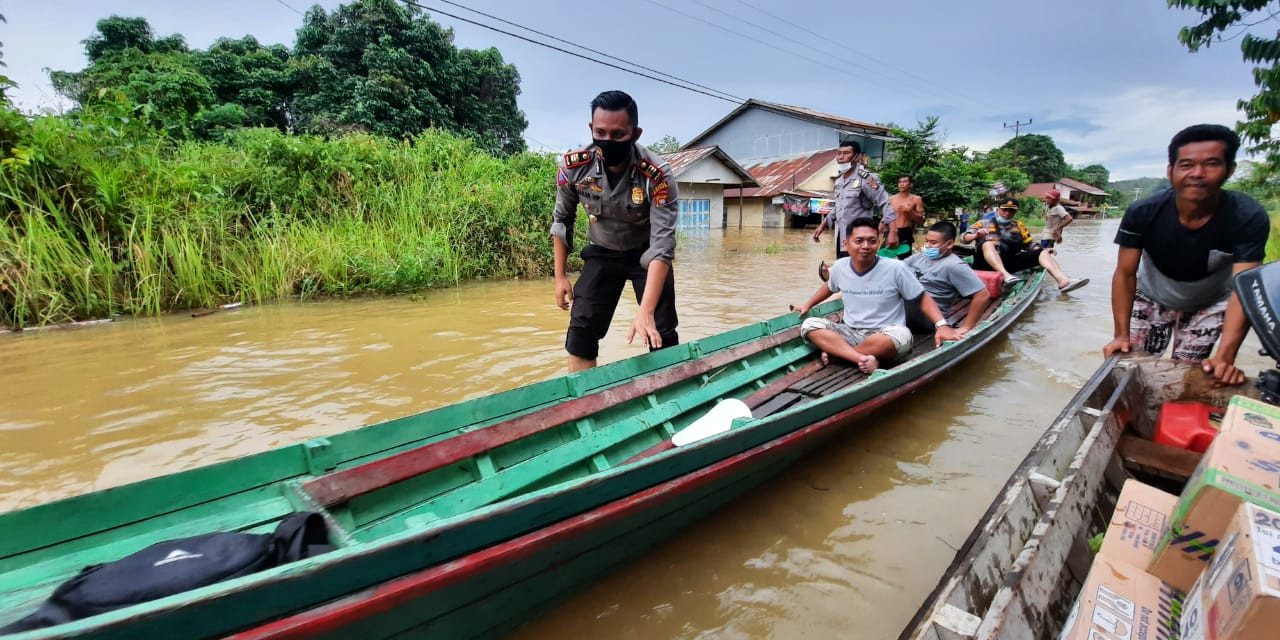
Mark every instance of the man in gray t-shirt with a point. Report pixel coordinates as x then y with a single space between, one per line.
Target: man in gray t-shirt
946 278
875 294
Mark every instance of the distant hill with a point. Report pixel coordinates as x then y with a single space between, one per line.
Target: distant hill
1129 190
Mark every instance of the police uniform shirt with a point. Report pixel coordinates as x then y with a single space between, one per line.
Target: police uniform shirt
639 210
856 196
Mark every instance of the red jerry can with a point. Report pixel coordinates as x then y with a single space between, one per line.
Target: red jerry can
1188 425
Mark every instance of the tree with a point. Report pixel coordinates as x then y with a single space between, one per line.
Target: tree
380 66
912 149
1262 110
125 57
666 144
1094 174
250 79
371 65
951 181
1037 156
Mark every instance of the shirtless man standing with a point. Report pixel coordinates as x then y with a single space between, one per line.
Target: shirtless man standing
910 210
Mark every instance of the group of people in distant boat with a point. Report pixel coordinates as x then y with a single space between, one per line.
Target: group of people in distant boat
1178 250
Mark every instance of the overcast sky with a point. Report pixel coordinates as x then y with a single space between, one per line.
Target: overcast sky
1106 79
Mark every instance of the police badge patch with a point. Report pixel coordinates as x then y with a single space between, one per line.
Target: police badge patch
637 195
661 193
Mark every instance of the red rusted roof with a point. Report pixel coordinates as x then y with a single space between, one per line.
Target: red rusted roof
784 175
685 158
1037 189
1089 189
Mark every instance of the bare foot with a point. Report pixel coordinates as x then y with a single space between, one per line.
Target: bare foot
868 364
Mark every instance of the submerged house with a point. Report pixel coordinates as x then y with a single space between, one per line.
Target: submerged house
1079 199
702 175
790 152
759 132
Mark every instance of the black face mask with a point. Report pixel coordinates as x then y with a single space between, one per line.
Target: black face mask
615 151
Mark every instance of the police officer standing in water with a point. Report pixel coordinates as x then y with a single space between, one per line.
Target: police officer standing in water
631 208
858 194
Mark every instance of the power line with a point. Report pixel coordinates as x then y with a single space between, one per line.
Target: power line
585 48
575 54
927 88
751 38
861 53
290 7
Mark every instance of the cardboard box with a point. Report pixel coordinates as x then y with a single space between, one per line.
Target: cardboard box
1194 618
1240 466
1119 600
1246 414
1141 517
1241 590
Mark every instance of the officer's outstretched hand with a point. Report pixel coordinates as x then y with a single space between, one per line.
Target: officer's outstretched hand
647 330
564 293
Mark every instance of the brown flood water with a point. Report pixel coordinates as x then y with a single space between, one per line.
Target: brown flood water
846 543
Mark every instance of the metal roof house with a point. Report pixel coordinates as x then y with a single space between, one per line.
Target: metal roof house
759 132
701 174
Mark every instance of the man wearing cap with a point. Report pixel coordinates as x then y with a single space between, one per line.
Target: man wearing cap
858 194
1055 220
1006 248
631 208
1179 250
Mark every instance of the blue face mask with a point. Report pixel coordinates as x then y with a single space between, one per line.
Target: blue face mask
932 253
1001 219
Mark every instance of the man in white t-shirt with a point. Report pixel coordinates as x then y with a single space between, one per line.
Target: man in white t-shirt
875 293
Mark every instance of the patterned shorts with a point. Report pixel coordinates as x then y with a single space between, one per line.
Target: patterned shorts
901 336
1193 332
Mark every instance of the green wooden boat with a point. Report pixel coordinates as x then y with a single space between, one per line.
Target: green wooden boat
466 520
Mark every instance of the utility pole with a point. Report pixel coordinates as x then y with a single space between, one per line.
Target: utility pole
1017 128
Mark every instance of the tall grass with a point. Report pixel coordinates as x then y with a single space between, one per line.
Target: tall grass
106 217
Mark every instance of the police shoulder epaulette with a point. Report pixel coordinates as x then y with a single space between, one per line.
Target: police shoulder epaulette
576 158
863 173
651 171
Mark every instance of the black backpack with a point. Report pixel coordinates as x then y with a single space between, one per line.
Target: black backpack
174 566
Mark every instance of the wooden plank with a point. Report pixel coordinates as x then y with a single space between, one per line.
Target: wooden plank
516 478
343 485
772 389
1162 457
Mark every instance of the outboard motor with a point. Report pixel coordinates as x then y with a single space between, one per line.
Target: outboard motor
1259 293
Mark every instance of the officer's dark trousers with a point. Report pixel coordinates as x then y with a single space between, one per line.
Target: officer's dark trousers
595 297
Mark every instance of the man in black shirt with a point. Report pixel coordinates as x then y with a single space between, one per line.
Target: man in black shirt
1178 251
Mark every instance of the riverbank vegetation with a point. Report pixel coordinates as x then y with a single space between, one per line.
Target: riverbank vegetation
101 215
371 157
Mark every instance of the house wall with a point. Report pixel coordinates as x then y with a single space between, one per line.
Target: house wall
712 192
709 169
752 213
821 180
758 135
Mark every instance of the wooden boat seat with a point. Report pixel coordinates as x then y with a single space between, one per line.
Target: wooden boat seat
839 375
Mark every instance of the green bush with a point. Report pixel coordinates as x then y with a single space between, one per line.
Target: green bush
103 215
